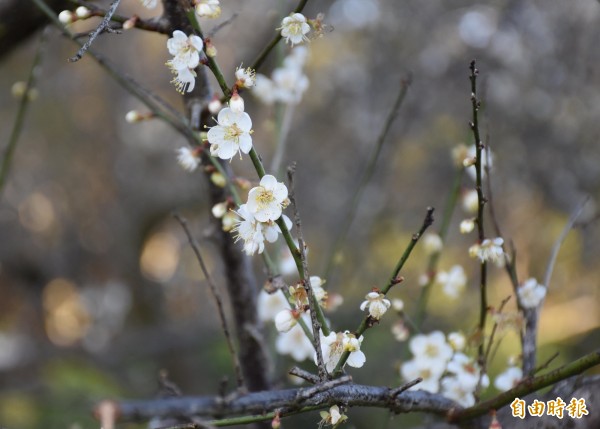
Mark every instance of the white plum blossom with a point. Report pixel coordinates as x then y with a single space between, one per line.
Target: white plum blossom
467 225
332 417
254 233
286 320
509 378
432 243
208 8
150 4
188 158
429 371
295 342
490 249
185 50
335 344
400 331
431 347
294 28
453 282
453 388
184 81
266 200
457 341
246 77
467 371
264 89
531 294
376 303
270 304
316 283
290 83
296 58
231 135
249 230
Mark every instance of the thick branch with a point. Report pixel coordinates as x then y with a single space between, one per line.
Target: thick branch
266 402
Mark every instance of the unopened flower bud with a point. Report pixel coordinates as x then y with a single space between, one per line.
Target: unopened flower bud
398 305
82 12
130 23
218 179
467 162
286 320
467 226
219 210
209 49
470 201
18 89
432 243
134 116
236 103
67 17
215 106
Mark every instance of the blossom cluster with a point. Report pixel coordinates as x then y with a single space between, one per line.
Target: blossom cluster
444 367
287 83
186 57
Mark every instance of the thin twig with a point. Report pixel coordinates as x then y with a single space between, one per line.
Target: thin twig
398 390
367 321
475 104
309 392
546 364
154 25
217 296
260 59
221 25
100 29
312 302
492 334
299 372
366 176
9 151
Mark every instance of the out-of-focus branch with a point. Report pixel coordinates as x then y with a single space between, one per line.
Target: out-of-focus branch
367 173
219 301
532 314
20 21
9 150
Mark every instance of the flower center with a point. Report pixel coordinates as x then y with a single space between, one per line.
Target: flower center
265 198
233 132
431 350
295 28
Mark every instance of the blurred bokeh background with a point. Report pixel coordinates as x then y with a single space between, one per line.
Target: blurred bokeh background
99 289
